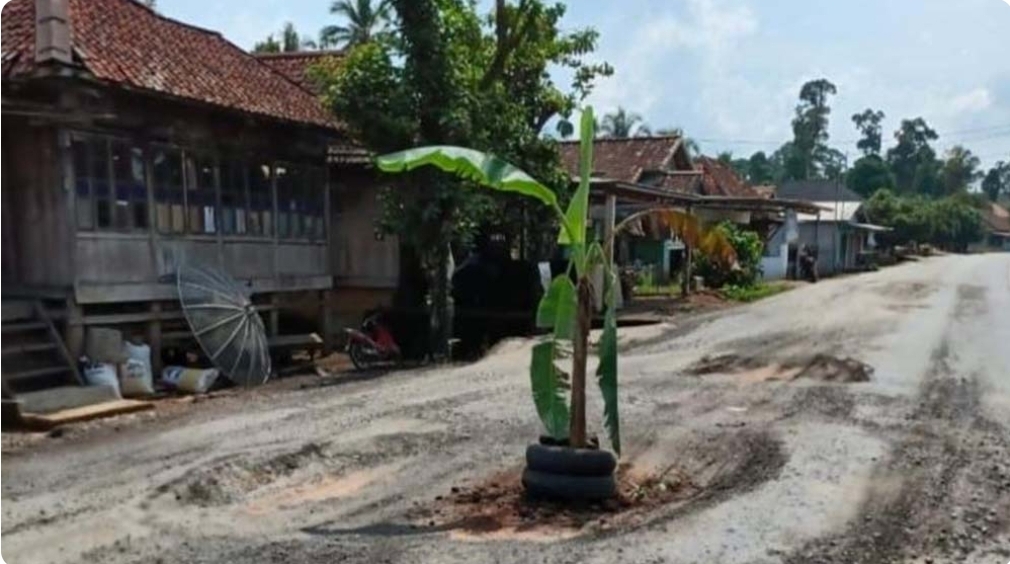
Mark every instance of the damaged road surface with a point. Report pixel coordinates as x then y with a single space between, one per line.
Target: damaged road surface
862 419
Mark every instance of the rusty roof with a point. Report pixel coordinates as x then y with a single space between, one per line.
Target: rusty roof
996 218
626 159
720 179
124 43
297 65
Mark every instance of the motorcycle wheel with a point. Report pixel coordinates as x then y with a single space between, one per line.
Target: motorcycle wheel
359 357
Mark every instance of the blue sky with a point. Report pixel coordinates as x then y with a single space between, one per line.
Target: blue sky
729 71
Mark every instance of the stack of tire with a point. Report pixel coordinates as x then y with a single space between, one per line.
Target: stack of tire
559 472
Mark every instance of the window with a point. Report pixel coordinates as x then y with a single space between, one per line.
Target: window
201 195
166 168
261 202
130 210
82 183
99 172
290 180
300 202
109 184
317 198
233 198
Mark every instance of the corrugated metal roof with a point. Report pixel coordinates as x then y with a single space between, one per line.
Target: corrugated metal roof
835 211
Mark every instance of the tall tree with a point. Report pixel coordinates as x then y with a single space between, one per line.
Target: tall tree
760 169
623 124
960 170
997 181
451 75
365 20
868 175
912 160
868 123
290 41
810 130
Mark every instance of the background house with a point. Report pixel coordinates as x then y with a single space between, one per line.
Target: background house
835 231
662 163
997 227
127 155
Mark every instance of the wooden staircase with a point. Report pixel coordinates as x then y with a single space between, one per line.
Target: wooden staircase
34 354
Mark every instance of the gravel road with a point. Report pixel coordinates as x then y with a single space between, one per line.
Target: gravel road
912 466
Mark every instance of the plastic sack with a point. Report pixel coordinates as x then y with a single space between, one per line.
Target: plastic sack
102 374
135 375
189 380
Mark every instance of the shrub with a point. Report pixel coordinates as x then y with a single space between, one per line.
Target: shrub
745 272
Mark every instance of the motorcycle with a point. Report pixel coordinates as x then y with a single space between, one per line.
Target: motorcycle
373 344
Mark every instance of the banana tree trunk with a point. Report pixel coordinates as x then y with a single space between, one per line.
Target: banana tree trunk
580 352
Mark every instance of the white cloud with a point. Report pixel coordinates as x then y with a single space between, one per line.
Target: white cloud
708 30
974 101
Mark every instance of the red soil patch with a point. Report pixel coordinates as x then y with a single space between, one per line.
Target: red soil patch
500 508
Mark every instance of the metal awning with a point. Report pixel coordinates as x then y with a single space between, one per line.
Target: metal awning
869 227
642 194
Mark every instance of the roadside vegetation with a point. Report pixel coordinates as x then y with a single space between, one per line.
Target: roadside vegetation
755 292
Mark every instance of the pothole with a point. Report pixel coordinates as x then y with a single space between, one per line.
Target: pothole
230 480
820 367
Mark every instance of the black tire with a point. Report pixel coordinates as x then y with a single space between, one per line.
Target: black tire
359 358
569 488
570 461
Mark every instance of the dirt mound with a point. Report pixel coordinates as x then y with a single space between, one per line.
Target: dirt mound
709 469
229 481
821 367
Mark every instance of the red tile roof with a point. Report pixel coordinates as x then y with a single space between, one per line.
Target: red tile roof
296 66
124 43
625 159
721 180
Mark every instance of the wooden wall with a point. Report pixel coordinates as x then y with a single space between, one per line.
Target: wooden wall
42 245
359 259
37 225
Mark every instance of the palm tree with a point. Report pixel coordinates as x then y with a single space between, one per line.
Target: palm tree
623 124
364 22
290 41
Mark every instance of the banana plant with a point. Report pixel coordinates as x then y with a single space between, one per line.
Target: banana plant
566 308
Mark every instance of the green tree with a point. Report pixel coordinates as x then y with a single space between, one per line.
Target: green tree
868 123
869 174
912 160
960 170
952 222
290 41
450 76
760 169
809 153
997 181
833 163
622 124
365 21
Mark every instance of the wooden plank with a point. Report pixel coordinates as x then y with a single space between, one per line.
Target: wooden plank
36 373
290 341
144 316
61 347
23 326
27 348
87 413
